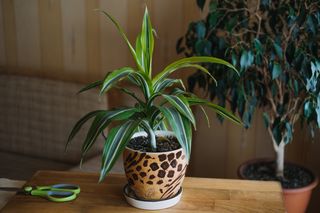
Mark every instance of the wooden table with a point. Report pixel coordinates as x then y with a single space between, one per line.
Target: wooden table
200 195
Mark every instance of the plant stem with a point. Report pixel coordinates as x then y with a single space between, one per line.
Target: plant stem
280 160
279 150
153 141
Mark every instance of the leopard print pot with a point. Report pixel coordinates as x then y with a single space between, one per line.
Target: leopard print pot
155 175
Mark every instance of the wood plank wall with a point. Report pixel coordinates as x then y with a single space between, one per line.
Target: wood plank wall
68 40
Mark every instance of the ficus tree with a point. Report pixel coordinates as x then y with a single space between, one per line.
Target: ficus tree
275 45
165 103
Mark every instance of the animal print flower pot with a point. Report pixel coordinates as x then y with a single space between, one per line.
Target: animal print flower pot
155 175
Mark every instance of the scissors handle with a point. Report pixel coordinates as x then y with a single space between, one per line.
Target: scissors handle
61 188
66 187
55 196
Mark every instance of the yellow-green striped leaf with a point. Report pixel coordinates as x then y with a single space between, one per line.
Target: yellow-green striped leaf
101 122
114 77
147 42
191 61
116 141
80 123
167 82
91 86
218 109
181 127
141 80
182 105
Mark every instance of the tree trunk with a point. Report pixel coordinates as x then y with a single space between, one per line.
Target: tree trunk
280 159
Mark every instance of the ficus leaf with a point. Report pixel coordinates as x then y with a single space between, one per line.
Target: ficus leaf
278 50
276 70
201 3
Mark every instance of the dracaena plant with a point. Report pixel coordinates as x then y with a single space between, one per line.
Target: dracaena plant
172 111
275 45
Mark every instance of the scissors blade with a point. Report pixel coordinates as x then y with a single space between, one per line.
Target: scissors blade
10 189
13 189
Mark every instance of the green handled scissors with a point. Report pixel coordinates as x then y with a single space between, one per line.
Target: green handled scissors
55 193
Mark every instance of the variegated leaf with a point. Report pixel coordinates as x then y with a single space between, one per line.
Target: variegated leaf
114 77
117 139
182 105
181 127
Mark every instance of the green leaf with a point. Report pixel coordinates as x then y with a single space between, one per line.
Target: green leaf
123 35
147 43
114 77
311 25
258 45
218 109
201 3
181 127
190 62
140 53
213 19
296 87
307 109
288 136
161 126
243 59
143 82
213 6
117 140
91 86
246 59
101 122
278 50
168 82
80 123
234 59
200 30
182 105
266 119
203 47
205 114
177 91
318 110
132 94
231 23
276 70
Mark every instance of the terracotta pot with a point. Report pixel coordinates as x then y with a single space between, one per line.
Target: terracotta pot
155 175
295 200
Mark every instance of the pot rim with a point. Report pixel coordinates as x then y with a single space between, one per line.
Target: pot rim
157 132
310 186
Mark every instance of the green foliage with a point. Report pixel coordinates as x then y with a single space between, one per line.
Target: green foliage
275 45
146 114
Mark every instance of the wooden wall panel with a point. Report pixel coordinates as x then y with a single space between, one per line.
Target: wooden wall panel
74 36
51 37
93 41
9 27
209 143
27 30
113 49
2 43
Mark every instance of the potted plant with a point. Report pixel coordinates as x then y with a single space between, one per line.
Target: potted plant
155 159
275 45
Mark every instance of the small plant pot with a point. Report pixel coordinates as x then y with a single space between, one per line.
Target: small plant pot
154 176
296 200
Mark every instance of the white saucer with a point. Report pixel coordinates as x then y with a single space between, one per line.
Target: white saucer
150 204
